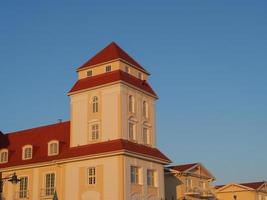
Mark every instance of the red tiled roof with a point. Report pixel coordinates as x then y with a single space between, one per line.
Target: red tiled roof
110 77
111 52
39 138
182 168
252 185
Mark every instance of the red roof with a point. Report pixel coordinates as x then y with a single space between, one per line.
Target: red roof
111 52
182 168
253 185
39 138
110 77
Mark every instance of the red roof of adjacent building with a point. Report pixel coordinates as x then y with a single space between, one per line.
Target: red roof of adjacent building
252 185
182 168
40 136
111 52
110 77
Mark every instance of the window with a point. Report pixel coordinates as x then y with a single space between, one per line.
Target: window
49 184
3 156
95 104
145 109
131 103
89 73
151 177
53 148
146 137
108 68
202 184
188 182
135 179
23 188
132 131
95 132
91 172
140 75
127 69
27 152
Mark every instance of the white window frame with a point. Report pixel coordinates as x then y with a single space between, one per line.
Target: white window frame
27 152
23 190
91 175
95 104
3 155
94 132
50 190
53 152
108 68
131 103
89 73
135 175
151 180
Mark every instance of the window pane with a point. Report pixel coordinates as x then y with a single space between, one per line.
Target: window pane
91 176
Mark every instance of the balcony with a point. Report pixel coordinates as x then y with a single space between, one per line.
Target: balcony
199 192
47 193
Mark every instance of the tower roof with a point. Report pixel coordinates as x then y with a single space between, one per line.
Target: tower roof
111 52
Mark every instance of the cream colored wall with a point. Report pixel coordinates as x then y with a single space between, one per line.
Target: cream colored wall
115 65
142 188
113 115
71 180
137 115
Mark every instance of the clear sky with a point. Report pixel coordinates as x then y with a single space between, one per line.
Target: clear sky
208 61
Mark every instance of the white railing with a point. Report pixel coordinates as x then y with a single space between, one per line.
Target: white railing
198 191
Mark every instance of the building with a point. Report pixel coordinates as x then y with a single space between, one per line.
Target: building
188 182
107 151
240 191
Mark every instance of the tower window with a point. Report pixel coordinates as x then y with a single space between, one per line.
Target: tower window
140 76
91 172
146 136
27 152
131 103
95 132
108 68
3 156
145 109
95 104
127 69
132 135
89 73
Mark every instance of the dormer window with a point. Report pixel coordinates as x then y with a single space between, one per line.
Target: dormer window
89 73
4 156
27 152
53 148
108 68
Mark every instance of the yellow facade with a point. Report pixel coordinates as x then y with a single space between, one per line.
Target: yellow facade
191 184
236 191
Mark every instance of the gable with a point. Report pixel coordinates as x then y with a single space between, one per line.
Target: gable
233 188
200 170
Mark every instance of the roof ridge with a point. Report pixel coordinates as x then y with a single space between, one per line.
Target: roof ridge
38 127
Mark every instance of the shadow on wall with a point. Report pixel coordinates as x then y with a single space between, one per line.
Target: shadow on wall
171 184
4 142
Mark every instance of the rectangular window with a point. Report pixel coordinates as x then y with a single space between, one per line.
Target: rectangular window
135 175
27 153
95 132
91 172
23 187
131 131
140 75
53 148
3 157
89 73
126 69
108 68
151 178
146 138
49 184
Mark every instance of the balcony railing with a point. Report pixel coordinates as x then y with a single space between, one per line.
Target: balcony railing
199 192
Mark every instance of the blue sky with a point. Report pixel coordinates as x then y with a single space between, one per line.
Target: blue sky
207 59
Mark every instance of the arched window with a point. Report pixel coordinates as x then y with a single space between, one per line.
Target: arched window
145 109
95 104
131 103
27 152
53 148
3 156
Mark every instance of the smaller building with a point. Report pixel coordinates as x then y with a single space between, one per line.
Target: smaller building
188 182
241 191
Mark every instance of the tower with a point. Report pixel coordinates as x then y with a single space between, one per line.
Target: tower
112 100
